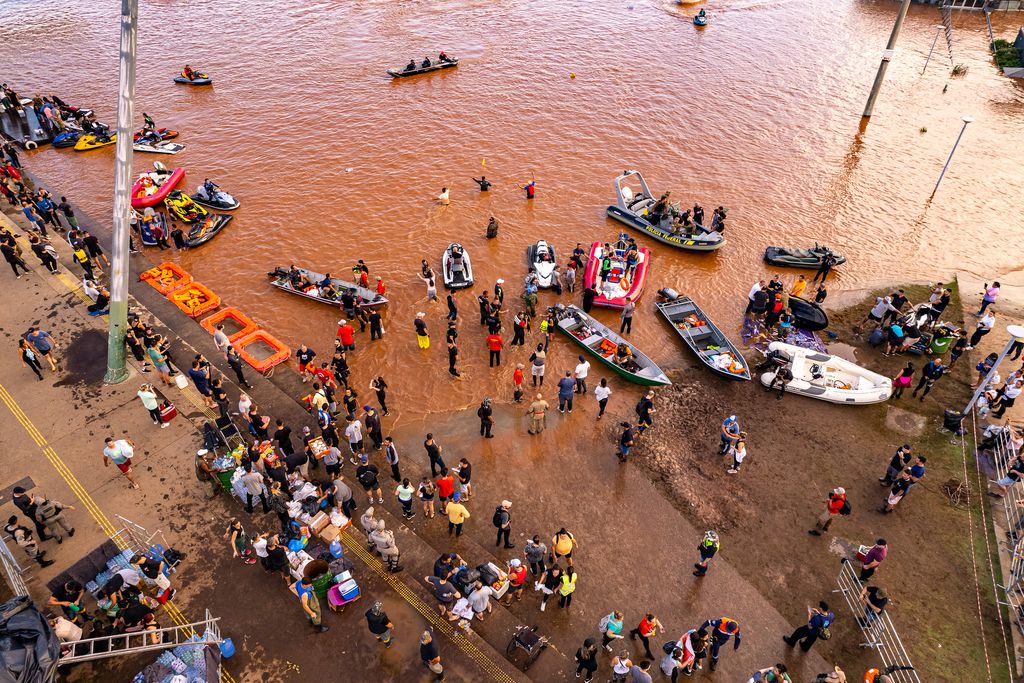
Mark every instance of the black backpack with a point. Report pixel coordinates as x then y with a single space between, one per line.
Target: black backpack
497 519
846 509
367 478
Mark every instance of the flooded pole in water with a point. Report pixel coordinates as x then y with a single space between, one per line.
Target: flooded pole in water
886 56
938 32
117 371
966 120
1016 332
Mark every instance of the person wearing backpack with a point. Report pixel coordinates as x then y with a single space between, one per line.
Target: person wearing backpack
367 475
610 627
50 514
835 505
817 627
503 522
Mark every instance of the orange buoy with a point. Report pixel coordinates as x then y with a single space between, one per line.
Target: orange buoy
166 277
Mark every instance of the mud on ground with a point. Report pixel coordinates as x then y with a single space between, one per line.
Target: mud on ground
798 449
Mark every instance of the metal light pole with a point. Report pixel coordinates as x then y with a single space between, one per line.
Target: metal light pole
117 371
938 33
1016 332
886 56
966 120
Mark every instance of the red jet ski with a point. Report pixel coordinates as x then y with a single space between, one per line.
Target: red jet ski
164 133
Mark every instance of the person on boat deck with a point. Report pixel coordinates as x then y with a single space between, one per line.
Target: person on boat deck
210 188
411 66
426 62
623 355
188 73
660 208
442 57
327 291
148 124
326 282
298 280
632 259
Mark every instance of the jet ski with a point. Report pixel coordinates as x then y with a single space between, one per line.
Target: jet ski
701 19
200 79
67 139
206 230
158 147
541 257
87 142
219 200
155 135
181 206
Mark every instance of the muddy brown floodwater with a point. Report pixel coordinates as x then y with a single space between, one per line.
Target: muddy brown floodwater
333 161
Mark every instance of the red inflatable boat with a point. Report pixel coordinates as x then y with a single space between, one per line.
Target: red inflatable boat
621 281
153 187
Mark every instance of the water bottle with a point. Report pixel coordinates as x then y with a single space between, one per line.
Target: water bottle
335 548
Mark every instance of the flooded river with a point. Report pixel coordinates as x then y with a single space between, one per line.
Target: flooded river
333 161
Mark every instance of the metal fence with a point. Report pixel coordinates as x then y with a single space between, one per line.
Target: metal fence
12 570
997 444
877 632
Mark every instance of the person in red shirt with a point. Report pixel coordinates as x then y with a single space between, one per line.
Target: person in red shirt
445 489
323 375
347 334
516 581
517 383
381 289
835 504
647 629
494 345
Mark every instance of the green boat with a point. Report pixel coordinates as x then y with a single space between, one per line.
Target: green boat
617 354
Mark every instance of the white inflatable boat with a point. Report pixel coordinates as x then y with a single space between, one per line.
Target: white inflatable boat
829 378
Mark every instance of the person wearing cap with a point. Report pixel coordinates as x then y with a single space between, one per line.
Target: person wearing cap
22 536
384 543
503 523
517 383
516 580
28 507
730 433
875 600
50 513
431 655
707 548
369 523
499 291
724 630
368 474
818 620
421 331
347 335
835 504
381 289
537 411
457 514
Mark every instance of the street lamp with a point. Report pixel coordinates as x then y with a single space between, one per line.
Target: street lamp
1016 332
966 120
938 32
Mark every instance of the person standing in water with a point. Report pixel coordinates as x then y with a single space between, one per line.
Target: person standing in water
531 187
483 182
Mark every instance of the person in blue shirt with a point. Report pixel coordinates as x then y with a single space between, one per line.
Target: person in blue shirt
724 629
730 433
930 374
918 470
44 344
566 389
818 620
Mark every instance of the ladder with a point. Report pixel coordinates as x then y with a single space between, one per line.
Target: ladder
142 641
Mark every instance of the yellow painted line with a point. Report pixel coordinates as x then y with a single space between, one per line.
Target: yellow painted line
439 623
84 498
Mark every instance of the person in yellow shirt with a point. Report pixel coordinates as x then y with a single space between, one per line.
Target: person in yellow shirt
457 514
562 545
799 286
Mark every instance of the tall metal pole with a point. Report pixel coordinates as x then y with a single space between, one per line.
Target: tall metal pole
966 120
117 371
988 21
886 56
938 32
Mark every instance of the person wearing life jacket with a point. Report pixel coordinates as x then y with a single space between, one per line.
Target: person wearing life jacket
567 587
724 629
188 73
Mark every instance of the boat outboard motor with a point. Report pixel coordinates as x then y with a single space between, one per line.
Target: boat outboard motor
816 372
668 293
773 360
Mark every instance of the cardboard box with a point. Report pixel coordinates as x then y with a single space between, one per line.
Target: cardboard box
329 533
318 447
318 522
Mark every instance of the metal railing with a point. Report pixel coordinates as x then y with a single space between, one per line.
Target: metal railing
997 444
168 638
12 570
877 631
